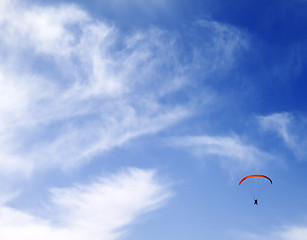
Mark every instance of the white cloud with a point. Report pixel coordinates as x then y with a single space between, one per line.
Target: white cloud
102 90
74 86
232 152
150 8
285 233
78 144
23 27
100 210
224 43
290 129
294 233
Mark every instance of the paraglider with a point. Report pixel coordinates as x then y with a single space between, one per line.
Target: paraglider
256 176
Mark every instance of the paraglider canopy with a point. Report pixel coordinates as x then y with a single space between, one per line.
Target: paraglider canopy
255 175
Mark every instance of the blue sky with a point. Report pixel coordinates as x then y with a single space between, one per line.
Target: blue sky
131 120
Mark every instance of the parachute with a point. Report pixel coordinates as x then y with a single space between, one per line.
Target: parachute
255 175
256 184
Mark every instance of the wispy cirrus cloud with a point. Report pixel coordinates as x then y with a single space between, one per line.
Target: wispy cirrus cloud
99 210
231 151
290 128
76 87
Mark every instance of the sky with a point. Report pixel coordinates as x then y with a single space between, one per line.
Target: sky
132 120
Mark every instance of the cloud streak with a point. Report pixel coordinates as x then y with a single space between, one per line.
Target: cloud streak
76 87
290 128
286 233
85 87
231 151
99 210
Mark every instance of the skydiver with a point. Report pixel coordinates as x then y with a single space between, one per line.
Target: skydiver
255 202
